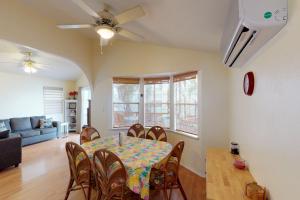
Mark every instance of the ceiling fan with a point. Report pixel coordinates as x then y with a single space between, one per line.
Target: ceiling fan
29 66
106 24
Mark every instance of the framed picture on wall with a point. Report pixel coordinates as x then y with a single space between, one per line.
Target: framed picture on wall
72 105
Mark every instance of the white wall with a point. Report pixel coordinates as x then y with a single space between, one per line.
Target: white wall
22 95
267 124
136 59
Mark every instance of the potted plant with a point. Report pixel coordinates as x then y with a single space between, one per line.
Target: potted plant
73 94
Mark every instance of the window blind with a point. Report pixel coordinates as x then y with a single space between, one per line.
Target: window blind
156 80
185 76
121 80
53 100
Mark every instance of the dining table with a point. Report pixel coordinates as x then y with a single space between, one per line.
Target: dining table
138 156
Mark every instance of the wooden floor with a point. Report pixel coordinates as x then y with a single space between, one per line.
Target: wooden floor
44 174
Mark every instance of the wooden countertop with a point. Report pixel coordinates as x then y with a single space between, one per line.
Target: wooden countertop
223 180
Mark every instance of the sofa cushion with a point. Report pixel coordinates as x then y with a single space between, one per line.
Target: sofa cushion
48 130
35 121
6 122
20 124
29 133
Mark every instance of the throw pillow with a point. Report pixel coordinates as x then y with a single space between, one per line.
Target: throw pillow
46 123
2 127
3 131
4 134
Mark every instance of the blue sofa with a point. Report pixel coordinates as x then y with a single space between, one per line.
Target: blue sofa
28 128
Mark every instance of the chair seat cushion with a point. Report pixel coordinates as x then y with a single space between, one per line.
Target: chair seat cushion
48 130
29 133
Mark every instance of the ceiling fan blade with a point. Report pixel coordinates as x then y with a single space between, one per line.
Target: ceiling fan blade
41 67
9 62
86 8
74 26
129 34
131 14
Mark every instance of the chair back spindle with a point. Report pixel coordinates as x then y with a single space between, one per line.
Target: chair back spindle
88 134
157 133
110 174
80 169
136 130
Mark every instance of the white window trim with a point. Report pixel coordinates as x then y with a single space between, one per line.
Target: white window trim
112 109
172 128
172 105
142 109
171 108
185 134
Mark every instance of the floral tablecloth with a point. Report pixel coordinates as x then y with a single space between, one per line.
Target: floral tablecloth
138 156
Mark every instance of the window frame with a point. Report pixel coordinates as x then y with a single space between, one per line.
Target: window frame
48 92
168 78
172 107
186 75
118 80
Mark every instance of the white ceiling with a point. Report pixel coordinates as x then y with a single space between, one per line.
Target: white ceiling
54 67
193 24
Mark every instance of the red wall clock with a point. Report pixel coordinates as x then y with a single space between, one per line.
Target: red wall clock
249 83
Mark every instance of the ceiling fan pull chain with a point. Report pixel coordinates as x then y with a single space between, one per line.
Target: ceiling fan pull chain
101 51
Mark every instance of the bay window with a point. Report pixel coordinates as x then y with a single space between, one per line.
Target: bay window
126 100
169 101
157 102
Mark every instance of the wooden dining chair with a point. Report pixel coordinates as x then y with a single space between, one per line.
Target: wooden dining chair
111 176
136 130
89 134
167 177
157 133
80 170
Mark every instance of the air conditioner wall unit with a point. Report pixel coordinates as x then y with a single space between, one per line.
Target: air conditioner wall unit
250 25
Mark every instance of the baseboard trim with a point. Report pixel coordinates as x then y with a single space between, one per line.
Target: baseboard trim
197 173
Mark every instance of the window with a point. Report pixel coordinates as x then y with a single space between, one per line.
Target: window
85 97
53 102
186 102
169 101
157 102
126 101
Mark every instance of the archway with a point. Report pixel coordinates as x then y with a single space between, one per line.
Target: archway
49 77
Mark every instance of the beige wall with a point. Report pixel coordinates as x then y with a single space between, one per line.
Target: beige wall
267 124
137 59
22 95
82 82
20 24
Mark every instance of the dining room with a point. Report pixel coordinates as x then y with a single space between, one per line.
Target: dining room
129 165
186 100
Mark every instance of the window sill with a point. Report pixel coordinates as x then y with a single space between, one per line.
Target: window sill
120 129
196 137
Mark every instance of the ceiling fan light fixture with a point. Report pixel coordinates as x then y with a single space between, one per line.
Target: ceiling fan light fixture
105 32
28 68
